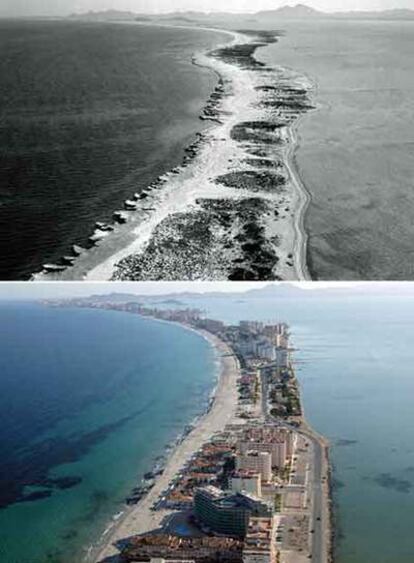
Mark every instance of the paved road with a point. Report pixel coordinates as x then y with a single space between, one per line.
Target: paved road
319 543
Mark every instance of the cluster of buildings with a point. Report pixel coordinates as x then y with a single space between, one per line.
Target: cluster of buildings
230 486
211 465
243 497
249 390
257 547
258 341
158 547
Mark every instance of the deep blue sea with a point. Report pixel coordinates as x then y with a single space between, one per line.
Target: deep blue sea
88 400
355 360
90 113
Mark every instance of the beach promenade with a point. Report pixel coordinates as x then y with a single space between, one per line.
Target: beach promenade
141 518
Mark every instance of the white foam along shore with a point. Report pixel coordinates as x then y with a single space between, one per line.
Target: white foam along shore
221 411
216 154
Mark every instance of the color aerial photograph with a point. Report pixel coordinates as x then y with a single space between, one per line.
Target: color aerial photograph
206 140
206 422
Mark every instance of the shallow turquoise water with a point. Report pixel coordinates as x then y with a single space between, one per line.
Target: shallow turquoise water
94 395
355 363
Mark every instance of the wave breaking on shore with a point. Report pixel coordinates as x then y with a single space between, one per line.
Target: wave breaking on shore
233 209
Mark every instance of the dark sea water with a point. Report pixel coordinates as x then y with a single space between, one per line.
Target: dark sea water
355 362
89 114
88 400
356 151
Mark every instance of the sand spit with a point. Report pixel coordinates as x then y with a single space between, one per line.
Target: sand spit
233 209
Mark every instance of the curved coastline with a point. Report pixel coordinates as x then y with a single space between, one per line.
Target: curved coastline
220 410
206 192
77 266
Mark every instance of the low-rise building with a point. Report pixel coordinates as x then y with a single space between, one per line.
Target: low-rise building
258 543
168 547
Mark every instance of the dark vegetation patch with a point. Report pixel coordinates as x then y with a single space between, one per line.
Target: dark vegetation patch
181 247
282 90
255 151
257 257
266 35
293 105
223 239
242 55
253 180
257 131
262 162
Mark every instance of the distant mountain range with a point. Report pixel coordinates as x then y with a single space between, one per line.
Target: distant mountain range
301 11
276 291
298 12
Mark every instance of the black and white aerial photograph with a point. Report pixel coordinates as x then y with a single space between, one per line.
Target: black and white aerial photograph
206 140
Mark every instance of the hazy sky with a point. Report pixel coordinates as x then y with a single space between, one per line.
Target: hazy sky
61 7
24 290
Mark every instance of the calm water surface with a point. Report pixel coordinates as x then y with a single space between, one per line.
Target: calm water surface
93 400
355 153
88 400
90 113
356 367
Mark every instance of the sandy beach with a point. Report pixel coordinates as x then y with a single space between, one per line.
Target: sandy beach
233 209
141 518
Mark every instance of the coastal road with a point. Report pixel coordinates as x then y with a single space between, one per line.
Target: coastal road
319 543
319 518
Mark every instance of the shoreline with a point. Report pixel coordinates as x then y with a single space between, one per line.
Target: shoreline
125 222
217 184
326 484
219 412
327 508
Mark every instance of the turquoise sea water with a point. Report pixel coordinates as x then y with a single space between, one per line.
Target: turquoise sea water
91 395
355 362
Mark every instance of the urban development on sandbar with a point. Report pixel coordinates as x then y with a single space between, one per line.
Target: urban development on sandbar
249 482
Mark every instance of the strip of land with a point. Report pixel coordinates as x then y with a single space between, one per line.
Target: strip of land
141 518
233 208
250 482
